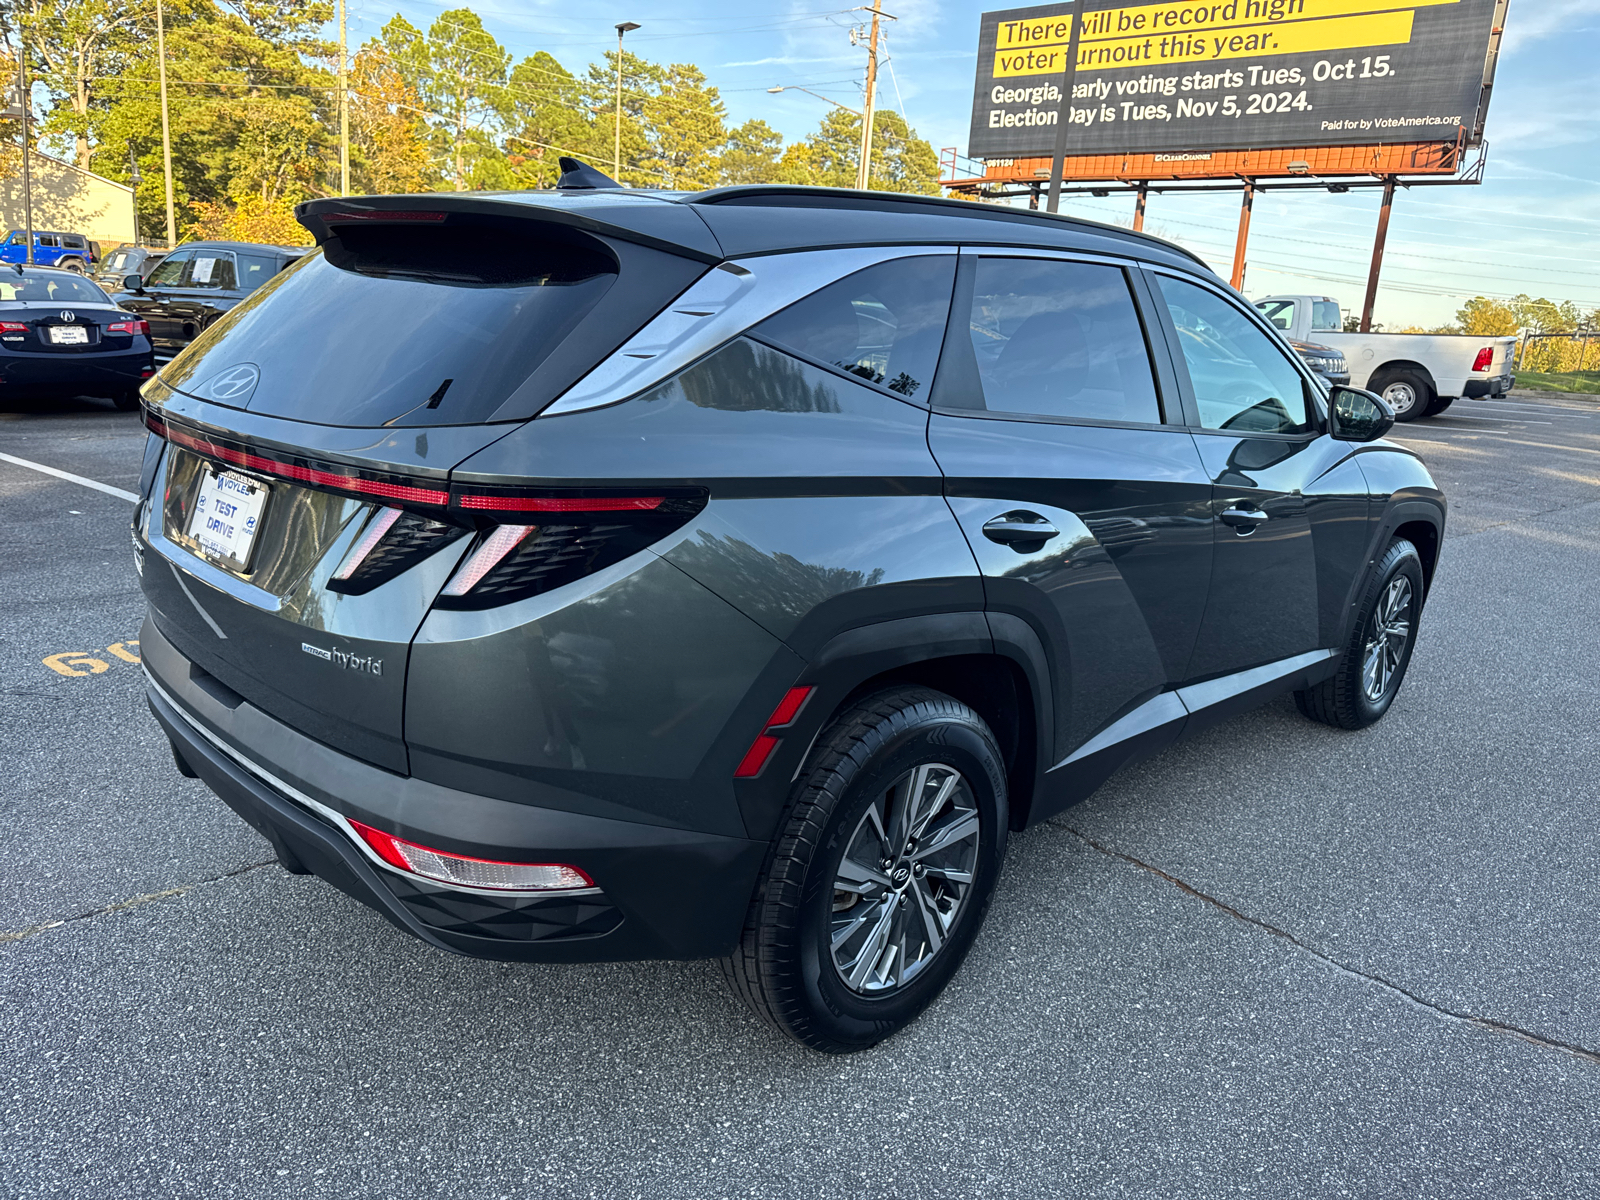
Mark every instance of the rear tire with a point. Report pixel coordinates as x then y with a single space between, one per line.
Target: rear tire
1408 392
72 264
1373 663
881 874
1440 403
126 401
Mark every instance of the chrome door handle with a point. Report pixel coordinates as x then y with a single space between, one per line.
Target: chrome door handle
1019 528
1244 520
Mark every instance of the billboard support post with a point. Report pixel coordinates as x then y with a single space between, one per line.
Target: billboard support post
1377 255
1138 209
1058 156
1243 239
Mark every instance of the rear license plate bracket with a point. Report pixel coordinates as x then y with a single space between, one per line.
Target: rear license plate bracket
68 335
229 507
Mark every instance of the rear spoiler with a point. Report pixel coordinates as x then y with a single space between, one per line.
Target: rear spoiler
630 217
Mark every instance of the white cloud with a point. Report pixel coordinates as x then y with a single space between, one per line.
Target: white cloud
1533 21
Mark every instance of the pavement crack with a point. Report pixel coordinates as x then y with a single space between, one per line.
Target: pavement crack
1484 1023
132 902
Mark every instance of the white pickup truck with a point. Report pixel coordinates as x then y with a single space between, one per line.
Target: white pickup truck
1420 374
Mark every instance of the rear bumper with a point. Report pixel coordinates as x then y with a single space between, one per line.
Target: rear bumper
660 892
111 371
1476 389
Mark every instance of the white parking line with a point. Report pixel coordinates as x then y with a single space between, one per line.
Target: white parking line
1561 408
71 478
1505 418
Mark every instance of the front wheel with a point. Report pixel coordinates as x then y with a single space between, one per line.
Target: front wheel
1373 663
881 874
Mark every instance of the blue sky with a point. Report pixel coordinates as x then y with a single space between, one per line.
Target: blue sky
1533 226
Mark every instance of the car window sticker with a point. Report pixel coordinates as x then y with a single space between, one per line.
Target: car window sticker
202 270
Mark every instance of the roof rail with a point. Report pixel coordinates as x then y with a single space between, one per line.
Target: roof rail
847 198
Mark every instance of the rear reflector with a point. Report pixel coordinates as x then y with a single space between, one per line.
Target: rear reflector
761 749
470 872
1484 360
496 546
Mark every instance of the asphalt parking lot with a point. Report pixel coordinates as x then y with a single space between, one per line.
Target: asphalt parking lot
1279 960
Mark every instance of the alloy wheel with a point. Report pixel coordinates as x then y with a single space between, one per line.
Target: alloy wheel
906 873
1386 644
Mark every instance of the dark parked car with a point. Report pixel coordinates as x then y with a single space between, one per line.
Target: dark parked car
60 335
197 283
113 271
69 251
1324 360
612 575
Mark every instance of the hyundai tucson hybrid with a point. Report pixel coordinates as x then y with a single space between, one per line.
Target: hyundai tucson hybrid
599 574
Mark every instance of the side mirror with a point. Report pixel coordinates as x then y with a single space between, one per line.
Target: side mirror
1357 415
133 283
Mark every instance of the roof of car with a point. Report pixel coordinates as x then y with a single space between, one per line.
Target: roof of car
217 244
736 222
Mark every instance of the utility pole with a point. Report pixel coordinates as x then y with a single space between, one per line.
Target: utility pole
25 103
344 110
166 132
1381 237
616 140
864 167
1241 241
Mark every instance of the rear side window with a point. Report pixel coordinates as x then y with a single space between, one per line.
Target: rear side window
1242 381
254 270
211 269
884 324
72 242
1060 339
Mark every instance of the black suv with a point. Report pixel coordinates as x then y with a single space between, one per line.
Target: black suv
595 574
195 284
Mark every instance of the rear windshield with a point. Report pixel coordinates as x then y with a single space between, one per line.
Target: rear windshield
56 287
1325 316
430 326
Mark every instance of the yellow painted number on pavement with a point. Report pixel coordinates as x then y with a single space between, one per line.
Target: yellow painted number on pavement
75 664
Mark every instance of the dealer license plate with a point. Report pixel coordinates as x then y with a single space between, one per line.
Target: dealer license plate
69 335
227 516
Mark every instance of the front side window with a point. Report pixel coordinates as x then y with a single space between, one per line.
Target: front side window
1242 381
18 239
1060 339
1279 312
171 271
884 324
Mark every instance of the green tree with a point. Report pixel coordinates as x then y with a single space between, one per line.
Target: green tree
751 155
685 130
460 72
72 45
549 117
641 80
901 161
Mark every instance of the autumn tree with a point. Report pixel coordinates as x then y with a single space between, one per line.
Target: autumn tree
73 45
388 137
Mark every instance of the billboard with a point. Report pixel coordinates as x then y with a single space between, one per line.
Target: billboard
1195 76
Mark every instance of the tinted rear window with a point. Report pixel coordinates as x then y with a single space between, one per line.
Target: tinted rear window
435 326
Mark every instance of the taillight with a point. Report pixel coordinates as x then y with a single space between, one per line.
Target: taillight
767 741
13 327
1484 360
466 871
135 328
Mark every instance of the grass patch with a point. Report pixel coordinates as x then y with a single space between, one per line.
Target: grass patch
1563 381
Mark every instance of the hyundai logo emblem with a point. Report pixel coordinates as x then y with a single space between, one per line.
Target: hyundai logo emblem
236 381
68 315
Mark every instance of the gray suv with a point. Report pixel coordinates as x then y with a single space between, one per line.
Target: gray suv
601 574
